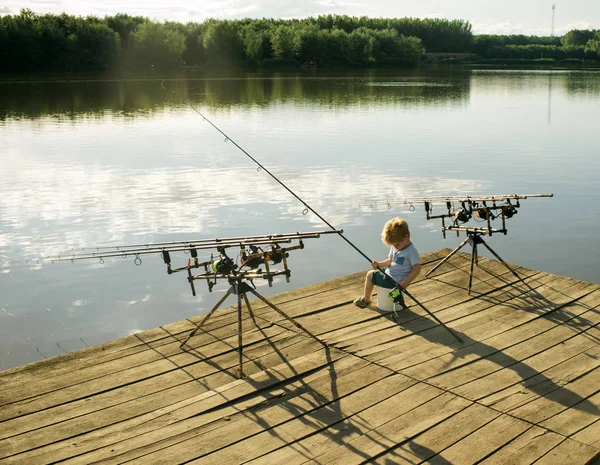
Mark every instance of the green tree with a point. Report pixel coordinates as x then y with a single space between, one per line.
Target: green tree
157 45
256 42
124 25
307 44
592 48
222 42
282 42
360 47
577 37
93 46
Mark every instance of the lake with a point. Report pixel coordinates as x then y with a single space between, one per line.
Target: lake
94 163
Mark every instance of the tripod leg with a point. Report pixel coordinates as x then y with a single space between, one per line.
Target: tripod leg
205 319
250 310
502 261
448 257
240 329
433 316
473 255
289 318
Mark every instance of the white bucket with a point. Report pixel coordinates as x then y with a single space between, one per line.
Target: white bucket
383 301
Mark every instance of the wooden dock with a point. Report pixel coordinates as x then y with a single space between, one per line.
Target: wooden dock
523 388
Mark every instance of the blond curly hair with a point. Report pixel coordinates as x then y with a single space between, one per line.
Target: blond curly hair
394 231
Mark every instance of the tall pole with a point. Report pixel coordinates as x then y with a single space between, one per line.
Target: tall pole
553 10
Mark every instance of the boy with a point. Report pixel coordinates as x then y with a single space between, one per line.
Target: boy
402 266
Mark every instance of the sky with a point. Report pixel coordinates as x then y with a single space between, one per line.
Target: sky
486 16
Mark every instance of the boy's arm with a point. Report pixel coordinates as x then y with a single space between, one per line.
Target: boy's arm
384 263
409 279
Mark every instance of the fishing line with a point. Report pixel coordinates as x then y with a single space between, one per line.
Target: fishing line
309 208
261 167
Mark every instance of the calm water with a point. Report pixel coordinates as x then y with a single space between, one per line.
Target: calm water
97 163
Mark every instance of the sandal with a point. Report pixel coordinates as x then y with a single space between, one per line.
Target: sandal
361 302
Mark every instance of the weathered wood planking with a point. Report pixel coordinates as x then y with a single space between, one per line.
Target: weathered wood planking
523 388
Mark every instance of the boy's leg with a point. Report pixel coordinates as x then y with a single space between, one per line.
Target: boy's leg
364 300
369 286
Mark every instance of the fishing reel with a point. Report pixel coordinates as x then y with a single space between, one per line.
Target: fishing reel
224 264
483 212
276 254
251 257
509 210
462 215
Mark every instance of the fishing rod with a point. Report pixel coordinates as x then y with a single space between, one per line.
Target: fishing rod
191 246
309 208
148 245
410 201
472 198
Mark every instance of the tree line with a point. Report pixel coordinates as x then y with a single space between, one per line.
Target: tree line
575 44
31 42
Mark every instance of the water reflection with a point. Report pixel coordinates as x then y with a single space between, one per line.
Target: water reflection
72 206
130 98
574 83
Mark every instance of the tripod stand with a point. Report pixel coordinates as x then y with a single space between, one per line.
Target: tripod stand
241 288
474 239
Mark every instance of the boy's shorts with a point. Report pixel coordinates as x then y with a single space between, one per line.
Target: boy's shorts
379 278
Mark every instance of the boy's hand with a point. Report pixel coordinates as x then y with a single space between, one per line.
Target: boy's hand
374 264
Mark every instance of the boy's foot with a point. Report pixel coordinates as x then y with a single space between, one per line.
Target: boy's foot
361 302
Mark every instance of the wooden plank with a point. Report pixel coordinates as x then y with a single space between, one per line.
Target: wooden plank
369 404
474 328
571 395
61 371
546 390
590 434
386 350
572 420
361 322
511 371
484 442
408 425
413 405
315 406
235 398
531 350
571 452
438 438
472 378
412 321
526 448
87 382
427 341
145 396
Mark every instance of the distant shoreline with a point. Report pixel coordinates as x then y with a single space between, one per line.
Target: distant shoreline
193 73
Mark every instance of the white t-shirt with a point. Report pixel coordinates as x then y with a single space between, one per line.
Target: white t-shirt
403 261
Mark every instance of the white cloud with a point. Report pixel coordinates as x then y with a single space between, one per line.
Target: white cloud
5 11
337 4
512 27
435 15
504 27
559 31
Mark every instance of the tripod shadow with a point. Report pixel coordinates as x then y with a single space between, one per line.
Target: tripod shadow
532 301
323 415
422 452
543 386
319 409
